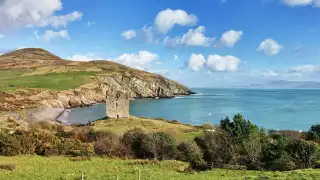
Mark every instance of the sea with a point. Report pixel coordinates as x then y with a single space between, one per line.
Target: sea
284 109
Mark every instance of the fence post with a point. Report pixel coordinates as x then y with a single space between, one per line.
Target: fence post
117 177
139 174
82 176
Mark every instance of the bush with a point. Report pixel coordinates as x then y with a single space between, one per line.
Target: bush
217 147
275 149
163 146
314 133
9 146
75 147
9 167
303 153
240 129
109 145
284 163
189 152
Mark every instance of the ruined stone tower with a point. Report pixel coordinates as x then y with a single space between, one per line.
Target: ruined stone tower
117 104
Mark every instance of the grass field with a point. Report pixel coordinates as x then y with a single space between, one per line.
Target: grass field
62 168
57 81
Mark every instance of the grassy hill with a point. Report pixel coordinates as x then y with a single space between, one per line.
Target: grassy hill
34 77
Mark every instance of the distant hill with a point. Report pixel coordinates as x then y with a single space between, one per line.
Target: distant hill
34 77
282 84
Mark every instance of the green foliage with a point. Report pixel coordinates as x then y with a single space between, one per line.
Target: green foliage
217 147
190 152
240 129
314 133
275 149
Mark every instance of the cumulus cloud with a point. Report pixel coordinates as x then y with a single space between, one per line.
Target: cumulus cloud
49 35
230 38
194 37
130 34
84 57
33 13
139 61
270 47
214 63
222 63
167 19
196 62
298 2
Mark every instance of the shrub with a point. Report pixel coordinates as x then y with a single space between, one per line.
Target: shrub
314 133
9 167
284 163
133 140
46 144
303 153
163 146
240 129
9 146
110 145
74 147
189 152
217 147
275 149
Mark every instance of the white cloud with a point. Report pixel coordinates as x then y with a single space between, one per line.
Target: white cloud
139 61
270 73
176 57
2 36
61 21
298 2
214 62
230 38
270 47
84 57
33 13
148 33
166 19
130 34
196 62
305 69
50 35
222 63
194 37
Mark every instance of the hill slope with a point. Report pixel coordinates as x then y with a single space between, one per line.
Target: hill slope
34 77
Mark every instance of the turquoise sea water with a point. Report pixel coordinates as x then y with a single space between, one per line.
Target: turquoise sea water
295 109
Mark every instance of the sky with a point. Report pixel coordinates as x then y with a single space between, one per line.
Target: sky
204 43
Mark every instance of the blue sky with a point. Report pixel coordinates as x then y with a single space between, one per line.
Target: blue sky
205 43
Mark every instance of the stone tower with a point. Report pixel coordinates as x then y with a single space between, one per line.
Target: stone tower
117 104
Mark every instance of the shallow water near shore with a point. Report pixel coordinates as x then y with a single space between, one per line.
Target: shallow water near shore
295 109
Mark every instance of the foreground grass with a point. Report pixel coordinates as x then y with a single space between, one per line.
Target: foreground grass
39 168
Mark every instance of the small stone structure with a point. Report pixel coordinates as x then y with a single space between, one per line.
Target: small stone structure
117 104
